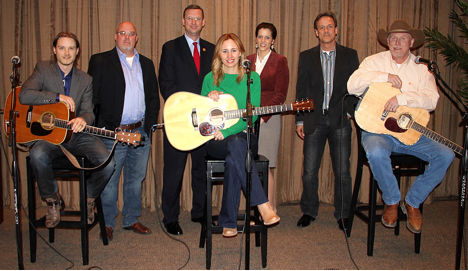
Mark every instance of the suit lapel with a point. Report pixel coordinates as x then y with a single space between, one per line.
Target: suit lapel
57 75
75 84
317 66
187 54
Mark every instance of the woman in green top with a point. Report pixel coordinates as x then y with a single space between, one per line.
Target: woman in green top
227 76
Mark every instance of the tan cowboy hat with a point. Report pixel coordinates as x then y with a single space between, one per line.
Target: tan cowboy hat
401 26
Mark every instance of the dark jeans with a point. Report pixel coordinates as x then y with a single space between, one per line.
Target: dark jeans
42 153
314 145
233 149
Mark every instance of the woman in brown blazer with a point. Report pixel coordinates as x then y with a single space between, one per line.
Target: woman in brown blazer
274 77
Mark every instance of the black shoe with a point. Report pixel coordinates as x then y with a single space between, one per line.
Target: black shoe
305 220
341 222
198 220
174 228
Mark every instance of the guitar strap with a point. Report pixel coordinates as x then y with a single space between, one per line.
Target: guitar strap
70 156
74 161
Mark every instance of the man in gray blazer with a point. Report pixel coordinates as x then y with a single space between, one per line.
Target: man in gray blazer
61 81
323 73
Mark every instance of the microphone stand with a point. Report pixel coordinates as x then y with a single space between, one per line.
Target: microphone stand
464 165
14 166
248 168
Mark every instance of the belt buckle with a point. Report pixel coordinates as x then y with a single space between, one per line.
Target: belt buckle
325 111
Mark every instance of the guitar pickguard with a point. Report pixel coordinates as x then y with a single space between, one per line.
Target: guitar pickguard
392 125
207 129
38 130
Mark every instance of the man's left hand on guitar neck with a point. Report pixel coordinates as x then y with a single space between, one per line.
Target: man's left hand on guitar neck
78 124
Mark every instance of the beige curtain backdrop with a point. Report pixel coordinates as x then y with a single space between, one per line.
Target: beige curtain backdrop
27 28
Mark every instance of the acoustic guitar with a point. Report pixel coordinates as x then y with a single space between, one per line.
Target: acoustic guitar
49 122
190 119
407 124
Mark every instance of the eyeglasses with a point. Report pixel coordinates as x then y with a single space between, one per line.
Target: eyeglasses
130 34
196 19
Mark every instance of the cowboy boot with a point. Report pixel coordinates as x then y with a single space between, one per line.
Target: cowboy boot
54 206
90 210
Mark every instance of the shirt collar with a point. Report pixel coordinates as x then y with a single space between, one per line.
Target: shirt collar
190 41
121 54
333 50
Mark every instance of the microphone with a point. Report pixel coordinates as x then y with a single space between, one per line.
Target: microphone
15 60
420 60
246 63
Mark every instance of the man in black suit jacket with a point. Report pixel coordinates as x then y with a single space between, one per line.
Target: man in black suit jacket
323 73
178 71
126 93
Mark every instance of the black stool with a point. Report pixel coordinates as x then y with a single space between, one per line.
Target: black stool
402 165
63 168
215 175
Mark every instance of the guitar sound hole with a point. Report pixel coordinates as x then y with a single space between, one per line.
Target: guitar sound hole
392 125
48 121
216 117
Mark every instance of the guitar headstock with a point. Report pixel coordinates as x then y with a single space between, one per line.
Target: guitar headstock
305 105
132 139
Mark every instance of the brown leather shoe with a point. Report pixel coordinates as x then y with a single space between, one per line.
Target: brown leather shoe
390 215
54 206
138 228
109 233
227 232
268 215
414 220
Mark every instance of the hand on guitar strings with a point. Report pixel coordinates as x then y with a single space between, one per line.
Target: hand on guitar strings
395 80
78 124
214 95
392 104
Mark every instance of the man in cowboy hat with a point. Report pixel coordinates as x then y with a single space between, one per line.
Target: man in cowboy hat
418 89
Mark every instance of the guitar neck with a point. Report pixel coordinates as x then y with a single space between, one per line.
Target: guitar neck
436 137
88 129
258 111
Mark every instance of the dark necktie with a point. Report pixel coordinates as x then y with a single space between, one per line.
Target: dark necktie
196 57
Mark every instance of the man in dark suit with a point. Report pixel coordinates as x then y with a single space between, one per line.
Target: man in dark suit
60 81
323 73
184 63
126 93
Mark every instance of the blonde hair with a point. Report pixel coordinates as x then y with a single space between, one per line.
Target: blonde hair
217 65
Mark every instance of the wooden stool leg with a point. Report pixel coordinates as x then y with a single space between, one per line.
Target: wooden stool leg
84 216
32 212
372 217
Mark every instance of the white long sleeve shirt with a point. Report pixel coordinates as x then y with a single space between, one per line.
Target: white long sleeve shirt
419 89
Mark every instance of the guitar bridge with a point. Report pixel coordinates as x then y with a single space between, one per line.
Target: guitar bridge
384 115
194 119
29 117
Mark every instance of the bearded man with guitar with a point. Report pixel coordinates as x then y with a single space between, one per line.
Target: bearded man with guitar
61 81
397 66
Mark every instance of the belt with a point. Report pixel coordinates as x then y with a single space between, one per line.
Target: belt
130 127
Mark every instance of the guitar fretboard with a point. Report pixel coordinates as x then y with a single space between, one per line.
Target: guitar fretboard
88 129
264 110
436 137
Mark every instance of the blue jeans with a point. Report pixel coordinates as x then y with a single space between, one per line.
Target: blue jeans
339 141
233 149
42 153
134 162
379 148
